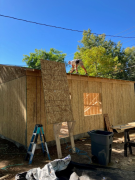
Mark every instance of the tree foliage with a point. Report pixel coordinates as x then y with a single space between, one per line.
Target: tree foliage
105 58
129 58
130 55
33 60
98 62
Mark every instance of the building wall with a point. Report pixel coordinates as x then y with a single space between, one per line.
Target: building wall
118 101
35 105
13 110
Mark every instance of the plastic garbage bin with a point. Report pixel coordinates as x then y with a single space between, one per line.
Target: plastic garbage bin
101 145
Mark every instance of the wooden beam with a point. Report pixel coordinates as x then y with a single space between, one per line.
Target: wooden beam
37 72
57 127
92 105
70 128
33 73
97 79
126 127
123 127
56 134
107 122
131 123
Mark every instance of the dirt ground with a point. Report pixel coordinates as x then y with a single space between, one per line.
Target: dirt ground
12 158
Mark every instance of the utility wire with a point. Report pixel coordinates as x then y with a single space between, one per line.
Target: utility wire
70 57
57 26
125 30
129 33
128 41
70 54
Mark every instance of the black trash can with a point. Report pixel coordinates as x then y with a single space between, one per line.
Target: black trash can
101 145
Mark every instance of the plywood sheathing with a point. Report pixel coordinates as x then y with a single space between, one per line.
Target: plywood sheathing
56 92
118 100
109 90
8 73
36 108
13 110
35 105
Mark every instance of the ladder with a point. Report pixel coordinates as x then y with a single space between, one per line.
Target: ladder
37 131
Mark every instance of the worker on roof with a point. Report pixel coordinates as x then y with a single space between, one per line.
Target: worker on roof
75 63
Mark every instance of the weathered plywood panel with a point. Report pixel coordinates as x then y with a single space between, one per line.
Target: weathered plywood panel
8 73
13 110
56 92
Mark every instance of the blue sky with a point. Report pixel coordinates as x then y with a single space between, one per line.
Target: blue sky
101 16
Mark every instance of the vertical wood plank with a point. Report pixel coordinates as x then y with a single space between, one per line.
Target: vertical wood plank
70 128
56 134
12 119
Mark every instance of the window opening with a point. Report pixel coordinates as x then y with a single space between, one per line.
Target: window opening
92 104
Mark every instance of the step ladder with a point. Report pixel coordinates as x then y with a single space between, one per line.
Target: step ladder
37 131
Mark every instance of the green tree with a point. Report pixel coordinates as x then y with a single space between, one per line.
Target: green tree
127 68
130 58
98 62
33 60
100 56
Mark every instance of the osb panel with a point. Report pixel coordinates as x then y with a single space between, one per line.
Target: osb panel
56 92
13 110
8 73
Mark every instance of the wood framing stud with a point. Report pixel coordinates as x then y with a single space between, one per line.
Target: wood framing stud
71 128
57 128
56 134
107 122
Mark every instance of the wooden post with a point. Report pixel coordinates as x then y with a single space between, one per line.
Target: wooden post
107 123
56 134
70 129
57 128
